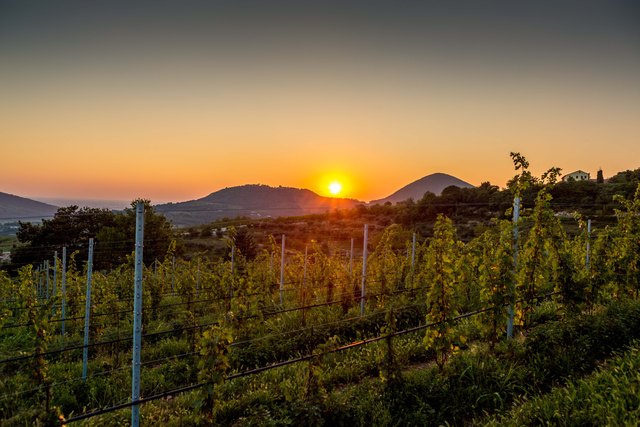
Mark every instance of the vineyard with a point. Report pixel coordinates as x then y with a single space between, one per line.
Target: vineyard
406 332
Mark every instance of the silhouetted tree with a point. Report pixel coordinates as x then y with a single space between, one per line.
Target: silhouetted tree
245 243
72 227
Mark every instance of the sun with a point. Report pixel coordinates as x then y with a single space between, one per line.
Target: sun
335 188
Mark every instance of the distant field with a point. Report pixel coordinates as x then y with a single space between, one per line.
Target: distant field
6 242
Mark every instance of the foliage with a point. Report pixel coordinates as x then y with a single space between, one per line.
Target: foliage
390 372
626 259
544 263
496 278
120 236
213 364
479 382
606 397
72 227
245 242
392 379
442 278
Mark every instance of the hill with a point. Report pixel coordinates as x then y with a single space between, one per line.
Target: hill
434 183
255 201
13 208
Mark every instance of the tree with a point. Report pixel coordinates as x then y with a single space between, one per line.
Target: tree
114 236
600 177
245 243
70 226
119 239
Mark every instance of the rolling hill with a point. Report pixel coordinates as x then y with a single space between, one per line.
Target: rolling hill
14 208
434 183
251 200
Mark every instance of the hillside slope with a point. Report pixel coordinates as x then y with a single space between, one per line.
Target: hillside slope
434 183
20 208
251 200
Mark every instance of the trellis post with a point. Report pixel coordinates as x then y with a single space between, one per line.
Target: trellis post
63 286
364 268
516 217
87 312
282 272
137 316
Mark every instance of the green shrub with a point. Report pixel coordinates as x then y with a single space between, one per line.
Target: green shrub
610 396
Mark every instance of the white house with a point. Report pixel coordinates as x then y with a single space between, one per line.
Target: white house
578 175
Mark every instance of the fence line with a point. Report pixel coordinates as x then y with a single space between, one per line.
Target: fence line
199 326
290 361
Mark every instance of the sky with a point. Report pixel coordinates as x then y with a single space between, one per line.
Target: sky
173 100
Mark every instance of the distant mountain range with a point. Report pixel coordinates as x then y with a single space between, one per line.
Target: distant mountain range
434 183
14 208
116 205
255 201
260 201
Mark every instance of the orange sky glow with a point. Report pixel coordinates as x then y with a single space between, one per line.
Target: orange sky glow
152 115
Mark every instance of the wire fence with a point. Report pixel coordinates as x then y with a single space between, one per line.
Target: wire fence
265 312
209 305
295 360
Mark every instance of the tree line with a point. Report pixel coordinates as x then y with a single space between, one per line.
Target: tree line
71 227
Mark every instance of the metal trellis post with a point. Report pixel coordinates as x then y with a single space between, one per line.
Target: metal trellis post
413 256
233 268
173 275
282 272
516 217
364 268
588 257
63 286
87 312
351 259
55 280
46 278
40 282
198 278
304 272
137 316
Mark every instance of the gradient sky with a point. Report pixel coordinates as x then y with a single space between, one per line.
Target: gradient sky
174 100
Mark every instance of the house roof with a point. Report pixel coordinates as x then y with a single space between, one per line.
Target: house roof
578 171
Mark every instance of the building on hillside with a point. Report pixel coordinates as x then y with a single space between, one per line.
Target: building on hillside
578 175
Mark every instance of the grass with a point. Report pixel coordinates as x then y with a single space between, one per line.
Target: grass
350 387
7 242
610 396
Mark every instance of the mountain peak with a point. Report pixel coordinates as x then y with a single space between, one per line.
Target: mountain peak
16 207
253 200
434 183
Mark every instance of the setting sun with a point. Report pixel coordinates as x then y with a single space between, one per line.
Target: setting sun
335 188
